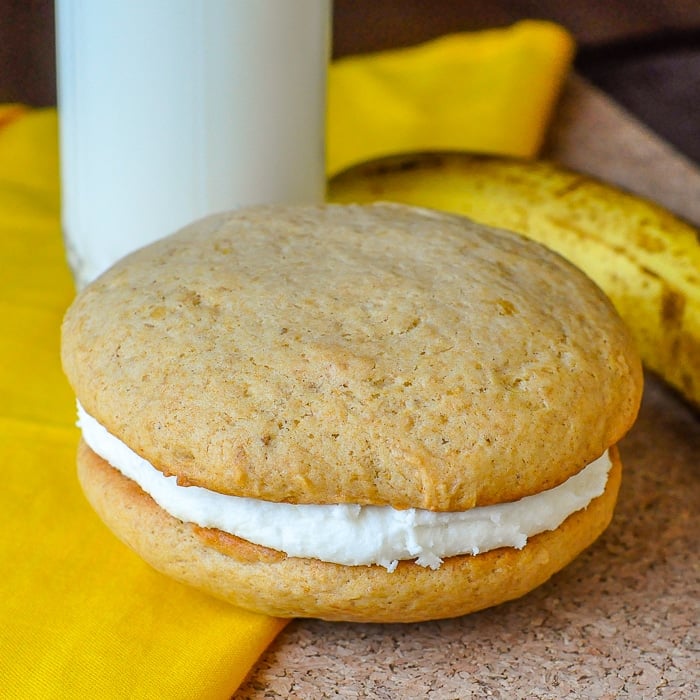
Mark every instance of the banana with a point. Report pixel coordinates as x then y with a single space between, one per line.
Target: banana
643 257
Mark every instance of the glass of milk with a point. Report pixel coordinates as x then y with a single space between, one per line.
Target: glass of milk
173 109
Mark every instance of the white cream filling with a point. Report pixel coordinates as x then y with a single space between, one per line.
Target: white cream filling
352 534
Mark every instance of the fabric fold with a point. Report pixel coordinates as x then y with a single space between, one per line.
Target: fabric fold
491 91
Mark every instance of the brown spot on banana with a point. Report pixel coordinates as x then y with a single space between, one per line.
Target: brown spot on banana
672 307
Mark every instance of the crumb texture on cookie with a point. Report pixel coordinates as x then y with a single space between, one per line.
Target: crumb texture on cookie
354 354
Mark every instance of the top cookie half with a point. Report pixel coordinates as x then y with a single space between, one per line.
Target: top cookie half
354 354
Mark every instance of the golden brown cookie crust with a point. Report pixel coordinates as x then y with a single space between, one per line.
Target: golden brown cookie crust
298 587
376 354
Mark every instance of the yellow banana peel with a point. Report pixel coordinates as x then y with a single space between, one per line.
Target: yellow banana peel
643 257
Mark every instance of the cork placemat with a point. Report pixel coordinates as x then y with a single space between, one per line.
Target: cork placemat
623 620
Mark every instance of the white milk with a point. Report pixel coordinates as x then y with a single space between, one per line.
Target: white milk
174 109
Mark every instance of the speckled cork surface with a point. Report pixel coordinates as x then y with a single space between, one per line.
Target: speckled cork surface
623 620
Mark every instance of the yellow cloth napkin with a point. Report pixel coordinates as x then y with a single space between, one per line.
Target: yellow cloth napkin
490 91
80 615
